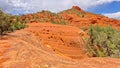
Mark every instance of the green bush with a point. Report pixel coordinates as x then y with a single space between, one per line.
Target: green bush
9 23
103 41
3 27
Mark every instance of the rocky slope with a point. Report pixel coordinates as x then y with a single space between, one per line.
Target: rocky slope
74 16
46 45
38 46
78 17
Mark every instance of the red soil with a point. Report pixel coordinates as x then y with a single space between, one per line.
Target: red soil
62 39
4 47
45 45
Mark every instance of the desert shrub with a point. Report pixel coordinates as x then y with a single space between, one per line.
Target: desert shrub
53 21
4 22
17 26
83 28
103 41
62 22
9 23
3 27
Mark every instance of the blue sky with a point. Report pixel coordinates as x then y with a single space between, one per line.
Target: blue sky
108 8
111 10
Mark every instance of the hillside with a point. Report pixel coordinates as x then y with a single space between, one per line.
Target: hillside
74 17
78 17
59 41
29 49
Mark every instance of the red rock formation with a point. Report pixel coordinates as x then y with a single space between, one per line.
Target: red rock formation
77 8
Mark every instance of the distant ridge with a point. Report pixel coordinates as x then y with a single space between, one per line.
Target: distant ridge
74 16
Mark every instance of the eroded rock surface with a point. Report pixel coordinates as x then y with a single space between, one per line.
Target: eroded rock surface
43 45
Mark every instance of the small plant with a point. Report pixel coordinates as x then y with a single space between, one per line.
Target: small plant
83 28
3 28
103 41
62 22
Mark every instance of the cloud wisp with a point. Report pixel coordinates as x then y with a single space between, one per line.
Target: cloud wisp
113 15
25 6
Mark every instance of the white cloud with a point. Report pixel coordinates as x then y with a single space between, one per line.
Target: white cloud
51 5
113 15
